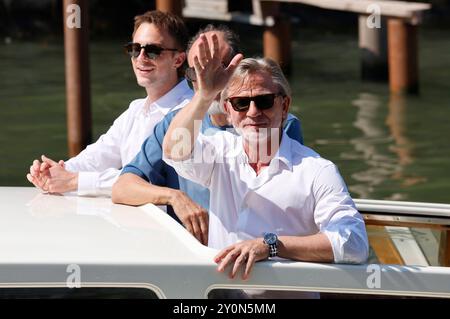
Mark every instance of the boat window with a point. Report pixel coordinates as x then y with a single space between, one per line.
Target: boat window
77 293
418 246
291 294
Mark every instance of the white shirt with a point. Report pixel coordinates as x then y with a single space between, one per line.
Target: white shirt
99 165
298 194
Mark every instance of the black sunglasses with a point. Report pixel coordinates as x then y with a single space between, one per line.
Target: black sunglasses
151 50
262 102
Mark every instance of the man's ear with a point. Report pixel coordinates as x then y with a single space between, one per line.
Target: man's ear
286 104
181 57
226 107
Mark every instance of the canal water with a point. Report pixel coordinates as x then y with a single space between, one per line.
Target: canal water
385 147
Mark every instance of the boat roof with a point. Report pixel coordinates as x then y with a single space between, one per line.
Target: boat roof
43 235
42 228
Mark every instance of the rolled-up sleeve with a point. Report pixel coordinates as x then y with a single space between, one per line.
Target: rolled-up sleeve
147 165
99 165
337 217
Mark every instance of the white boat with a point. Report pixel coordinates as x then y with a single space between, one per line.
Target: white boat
63 242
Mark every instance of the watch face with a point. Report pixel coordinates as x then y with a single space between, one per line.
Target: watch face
270 238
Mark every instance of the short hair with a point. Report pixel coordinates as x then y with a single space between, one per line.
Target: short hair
253 65
230 37
166 21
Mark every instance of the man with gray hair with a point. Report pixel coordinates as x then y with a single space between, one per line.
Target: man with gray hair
148 179
270 195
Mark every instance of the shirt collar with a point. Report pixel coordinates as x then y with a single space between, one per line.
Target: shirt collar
284 153
172 98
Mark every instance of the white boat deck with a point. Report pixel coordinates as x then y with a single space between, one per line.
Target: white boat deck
142 247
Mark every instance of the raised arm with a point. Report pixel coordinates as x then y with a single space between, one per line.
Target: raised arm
212 78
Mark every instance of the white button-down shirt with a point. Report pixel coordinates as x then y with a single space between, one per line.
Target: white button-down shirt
99 165
298 194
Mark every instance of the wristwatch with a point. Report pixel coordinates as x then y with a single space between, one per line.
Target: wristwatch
271 240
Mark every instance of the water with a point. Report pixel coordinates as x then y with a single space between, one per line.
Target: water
385 148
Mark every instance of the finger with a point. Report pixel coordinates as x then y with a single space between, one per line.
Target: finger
196 229
216 58
230 257
35 182
197 66
50 187
208 54
44 166
234 63
61 162
43 185
249 266
204 228
32 180
202 53
222 254
55 169
241 259
48 160
34 169
215 47
36 177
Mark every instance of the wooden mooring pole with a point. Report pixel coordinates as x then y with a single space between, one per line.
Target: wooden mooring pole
444 248
373 50
172 6
402 53
277 38
78 98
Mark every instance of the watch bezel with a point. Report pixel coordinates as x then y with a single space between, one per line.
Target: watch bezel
270 238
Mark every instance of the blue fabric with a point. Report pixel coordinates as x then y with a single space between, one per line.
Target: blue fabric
148 163
293 128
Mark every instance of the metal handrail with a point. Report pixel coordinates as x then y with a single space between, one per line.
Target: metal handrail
404 213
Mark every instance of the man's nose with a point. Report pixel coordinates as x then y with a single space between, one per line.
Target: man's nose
142 54
253 110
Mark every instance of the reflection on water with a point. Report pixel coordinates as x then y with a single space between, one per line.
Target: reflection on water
397 127
370 146
385 147
403 147
381 165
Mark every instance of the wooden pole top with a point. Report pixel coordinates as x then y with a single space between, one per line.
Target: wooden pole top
411 11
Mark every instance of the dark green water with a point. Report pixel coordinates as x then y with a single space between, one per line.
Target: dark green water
385 148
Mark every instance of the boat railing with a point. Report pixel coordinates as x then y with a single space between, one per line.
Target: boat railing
399 213
408 232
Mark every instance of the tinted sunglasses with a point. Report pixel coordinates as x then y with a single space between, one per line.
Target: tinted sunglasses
262 102
152 51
